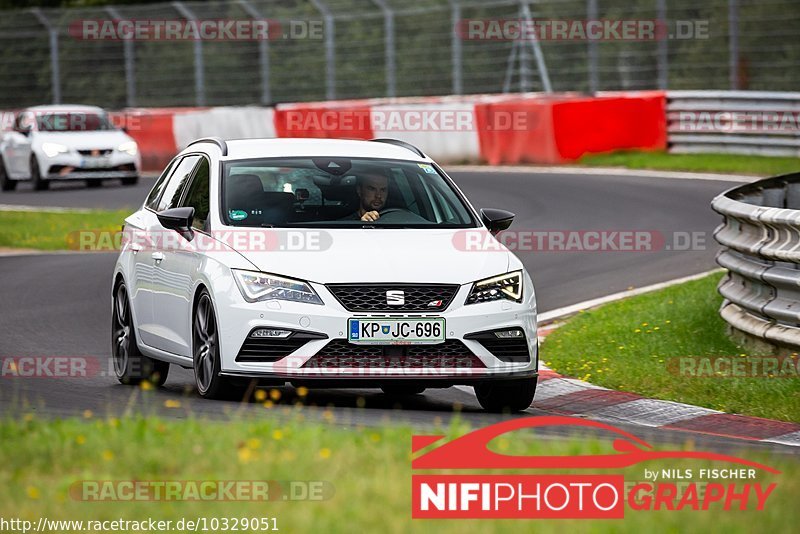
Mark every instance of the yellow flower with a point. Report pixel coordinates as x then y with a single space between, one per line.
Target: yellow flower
637 331
108 455
275 394
302 391
261 395
277 434
244 455
146 385
80 440
375 437
254 443
172 403
33 492
325 453
268 404
644 324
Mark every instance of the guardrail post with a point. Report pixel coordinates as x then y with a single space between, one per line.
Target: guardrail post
263 53
55 74
199 70
592 14
455 21
663 56
389 46
733 43
330 49
130 65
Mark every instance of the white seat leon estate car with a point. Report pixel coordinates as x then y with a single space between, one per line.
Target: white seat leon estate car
321 263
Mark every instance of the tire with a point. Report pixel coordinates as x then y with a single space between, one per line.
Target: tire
498 396
130 181
6 183
205 353
39 183
94 183
402 391
131 366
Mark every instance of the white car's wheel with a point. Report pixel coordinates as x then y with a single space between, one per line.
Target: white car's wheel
130 365
39 183
6 183
506 395
205 352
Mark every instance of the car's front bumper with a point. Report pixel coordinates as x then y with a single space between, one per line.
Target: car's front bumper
74 166
238 319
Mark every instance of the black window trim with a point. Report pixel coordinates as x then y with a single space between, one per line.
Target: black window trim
182 157
206 226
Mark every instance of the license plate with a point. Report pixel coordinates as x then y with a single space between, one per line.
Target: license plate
95 163
395 331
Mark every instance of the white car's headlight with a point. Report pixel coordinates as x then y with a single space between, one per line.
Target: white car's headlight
52 150
257 286
505 286
129 147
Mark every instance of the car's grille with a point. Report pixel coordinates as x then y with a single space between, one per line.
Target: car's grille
265 349
95 152
512 350
340 353
373 297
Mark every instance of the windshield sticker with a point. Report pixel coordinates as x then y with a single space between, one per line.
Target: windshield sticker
427 168
237 215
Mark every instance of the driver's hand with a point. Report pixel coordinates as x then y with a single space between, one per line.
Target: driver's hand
371 216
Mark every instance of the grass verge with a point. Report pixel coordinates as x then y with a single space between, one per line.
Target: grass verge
369 469
56 231
629 345
721 163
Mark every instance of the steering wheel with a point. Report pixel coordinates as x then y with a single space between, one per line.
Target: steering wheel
387 211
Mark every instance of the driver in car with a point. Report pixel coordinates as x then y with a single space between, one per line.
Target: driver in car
372 190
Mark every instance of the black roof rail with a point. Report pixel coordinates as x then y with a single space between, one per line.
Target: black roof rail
223 146
399 143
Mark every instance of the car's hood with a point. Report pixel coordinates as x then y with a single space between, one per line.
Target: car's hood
100 139
376 255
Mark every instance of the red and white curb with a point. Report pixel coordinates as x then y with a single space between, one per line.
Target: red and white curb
568 396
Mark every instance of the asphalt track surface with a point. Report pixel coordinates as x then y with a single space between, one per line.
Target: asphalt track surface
59 304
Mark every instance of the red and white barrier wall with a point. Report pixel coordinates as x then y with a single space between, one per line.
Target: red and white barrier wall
496 129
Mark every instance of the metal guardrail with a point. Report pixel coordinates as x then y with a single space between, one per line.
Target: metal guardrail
761 236
736 122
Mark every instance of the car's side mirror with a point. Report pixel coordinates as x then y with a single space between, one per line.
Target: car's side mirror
178 219
496 220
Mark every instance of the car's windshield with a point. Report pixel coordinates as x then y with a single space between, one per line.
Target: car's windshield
72 122
338 192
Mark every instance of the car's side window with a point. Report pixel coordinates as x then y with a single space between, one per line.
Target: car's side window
198 194
177 183
155 193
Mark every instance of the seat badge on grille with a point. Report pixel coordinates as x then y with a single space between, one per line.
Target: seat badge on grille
395 297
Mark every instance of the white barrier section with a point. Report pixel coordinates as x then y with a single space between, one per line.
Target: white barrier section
445 131
224 122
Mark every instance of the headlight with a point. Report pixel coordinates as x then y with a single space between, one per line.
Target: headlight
129 147
262 286
52 150
505 286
